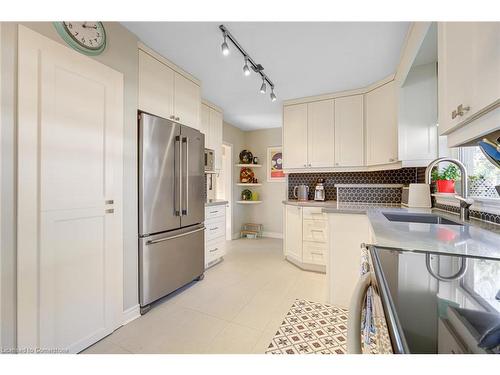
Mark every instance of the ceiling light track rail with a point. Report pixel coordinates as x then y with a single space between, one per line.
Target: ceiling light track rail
257 68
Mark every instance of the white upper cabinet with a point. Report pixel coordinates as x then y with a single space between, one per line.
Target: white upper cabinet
205 124
295 136
216 124
167 93
320 134
349 131
469 71
211 125
381 125
187 101
156 86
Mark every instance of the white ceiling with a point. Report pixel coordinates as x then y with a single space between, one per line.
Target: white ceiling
301 58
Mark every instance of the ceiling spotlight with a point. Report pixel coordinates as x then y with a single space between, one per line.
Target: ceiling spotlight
250 63
263 86
246 69
225 47
273 95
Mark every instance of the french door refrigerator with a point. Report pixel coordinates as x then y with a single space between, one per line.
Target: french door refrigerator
171 207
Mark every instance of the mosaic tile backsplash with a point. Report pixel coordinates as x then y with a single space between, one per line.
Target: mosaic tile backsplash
395 176
485 216
369 195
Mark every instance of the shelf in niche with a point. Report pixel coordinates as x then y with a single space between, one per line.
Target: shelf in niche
249 202
248 165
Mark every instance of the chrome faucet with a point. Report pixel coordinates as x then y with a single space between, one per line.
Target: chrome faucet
465 202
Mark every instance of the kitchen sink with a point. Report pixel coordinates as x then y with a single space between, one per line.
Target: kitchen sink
418 218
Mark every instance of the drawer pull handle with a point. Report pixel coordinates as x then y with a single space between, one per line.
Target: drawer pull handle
211 251
214 228
316 253
214 212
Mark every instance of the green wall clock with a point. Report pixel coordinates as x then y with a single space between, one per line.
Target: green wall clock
86 37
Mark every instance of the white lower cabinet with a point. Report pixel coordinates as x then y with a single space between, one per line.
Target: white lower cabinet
306 237
215 234
347 233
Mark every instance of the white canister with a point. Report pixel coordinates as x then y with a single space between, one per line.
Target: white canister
417 196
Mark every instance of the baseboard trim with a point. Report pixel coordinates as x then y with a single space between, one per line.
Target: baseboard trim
272 235
130 314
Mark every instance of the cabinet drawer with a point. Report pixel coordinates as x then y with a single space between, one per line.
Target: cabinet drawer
215 211
313 213
314 253
214 249
315 230
215 229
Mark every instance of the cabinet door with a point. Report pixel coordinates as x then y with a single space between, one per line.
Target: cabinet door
156 87
349 131
381 125
469 61
293 232
205 124
187 101
295 136
320 134
216 136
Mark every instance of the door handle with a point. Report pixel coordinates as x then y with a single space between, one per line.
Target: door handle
152 242
110 201
178 171
109 211
185 161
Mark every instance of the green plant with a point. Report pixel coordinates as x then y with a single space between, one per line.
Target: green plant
451 172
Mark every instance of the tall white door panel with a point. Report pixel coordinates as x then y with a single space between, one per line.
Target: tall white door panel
70 278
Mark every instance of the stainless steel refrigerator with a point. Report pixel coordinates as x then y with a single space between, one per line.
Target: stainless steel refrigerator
171 207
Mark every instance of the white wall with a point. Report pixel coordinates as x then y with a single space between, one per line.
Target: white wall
236 137
418 115
269 212
121 54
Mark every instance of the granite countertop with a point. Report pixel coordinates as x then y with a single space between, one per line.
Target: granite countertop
475 239
338 207
215 202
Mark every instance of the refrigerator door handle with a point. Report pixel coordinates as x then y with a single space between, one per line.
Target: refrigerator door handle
185 196
152 242
178 167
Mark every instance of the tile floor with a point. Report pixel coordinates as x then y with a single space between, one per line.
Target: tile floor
237 308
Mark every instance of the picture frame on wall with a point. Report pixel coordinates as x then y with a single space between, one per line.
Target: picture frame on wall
275 164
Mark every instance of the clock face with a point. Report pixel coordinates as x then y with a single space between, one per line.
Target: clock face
86 37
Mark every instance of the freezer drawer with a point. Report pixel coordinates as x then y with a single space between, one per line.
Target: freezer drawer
168 261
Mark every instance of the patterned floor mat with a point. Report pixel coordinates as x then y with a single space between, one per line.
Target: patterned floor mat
311 328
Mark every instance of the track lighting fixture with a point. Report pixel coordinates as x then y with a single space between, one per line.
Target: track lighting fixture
273 95
249 62
224 46
263 86
246 69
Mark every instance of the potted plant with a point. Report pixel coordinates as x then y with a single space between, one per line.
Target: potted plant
445 179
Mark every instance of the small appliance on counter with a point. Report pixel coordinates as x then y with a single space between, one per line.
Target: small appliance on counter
416 196
319 190
301 192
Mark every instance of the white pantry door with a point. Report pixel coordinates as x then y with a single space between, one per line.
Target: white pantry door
69 271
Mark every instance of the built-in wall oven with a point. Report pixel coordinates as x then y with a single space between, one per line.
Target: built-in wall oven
209 160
